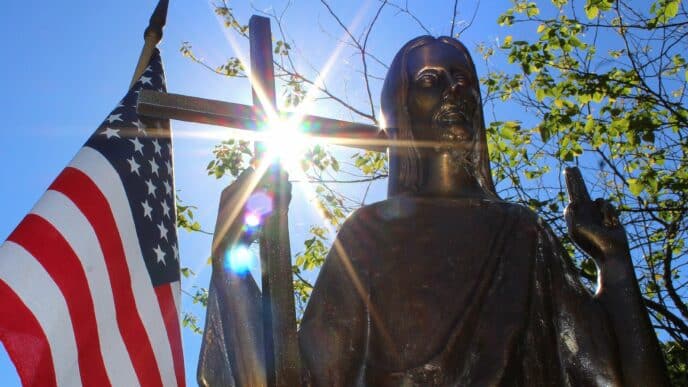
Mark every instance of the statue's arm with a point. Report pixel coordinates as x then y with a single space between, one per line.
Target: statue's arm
595 228
232 347
334 327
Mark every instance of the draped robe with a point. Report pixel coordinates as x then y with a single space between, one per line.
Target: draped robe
444 292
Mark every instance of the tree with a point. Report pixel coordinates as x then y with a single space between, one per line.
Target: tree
606 91
597 83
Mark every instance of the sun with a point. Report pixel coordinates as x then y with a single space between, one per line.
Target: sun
286 142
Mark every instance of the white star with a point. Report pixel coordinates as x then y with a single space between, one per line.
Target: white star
149 68
147 209
168 187
146 80
114 117
151 187
134 166
168 165
109 133
156 144
138 147
163 231
159 255
139 124
165 208
175 251
154 167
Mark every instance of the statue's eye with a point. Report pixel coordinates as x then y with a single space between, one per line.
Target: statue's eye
460 79
427 79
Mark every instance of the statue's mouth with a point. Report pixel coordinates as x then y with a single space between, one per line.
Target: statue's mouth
453 122
452 118
449 115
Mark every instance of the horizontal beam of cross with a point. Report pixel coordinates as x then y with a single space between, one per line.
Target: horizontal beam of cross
233 115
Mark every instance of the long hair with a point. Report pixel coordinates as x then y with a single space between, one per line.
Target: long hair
405 164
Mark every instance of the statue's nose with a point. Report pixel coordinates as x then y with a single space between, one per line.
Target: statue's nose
455 89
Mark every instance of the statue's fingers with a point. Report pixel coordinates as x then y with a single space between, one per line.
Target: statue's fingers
610 216
575 185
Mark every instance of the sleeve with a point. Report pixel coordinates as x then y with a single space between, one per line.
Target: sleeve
232 350
585 341
232 347
334 327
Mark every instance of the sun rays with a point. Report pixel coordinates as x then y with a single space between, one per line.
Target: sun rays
285 138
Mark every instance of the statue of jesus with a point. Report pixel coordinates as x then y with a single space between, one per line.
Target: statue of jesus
446 284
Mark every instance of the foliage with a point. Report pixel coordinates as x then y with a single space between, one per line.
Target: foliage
596 83
185 216
677 362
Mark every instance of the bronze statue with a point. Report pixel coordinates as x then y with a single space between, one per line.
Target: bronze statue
444 283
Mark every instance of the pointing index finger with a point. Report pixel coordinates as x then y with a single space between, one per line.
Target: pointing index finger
575 185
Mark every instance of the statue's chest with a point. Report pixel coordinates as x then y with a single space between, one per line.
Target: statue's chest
438 252
424 273
429 275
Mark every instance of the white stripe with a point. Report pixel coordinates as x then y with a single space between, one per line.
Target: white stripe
66 217
96 166
43 297
176 287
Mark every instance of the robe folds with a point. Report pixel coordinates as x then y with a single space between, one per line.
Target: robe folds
453 292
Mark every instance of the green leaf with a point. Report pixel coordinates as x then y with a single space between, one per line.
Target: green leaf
186 272
544 132
671 10
635 186
532 10
591 11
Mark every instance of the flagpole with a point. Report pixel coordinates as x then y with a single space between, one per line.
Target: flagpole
151 36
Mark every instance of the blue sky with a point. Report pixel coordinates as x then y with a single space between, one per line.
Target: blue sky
64 67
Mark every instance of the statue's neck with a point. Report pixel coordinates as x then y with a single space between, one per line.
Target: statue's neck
443 175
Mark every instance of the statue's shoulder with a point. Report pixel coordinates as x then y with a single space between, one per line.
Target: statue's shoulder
400 209
524 211
528 218
403 206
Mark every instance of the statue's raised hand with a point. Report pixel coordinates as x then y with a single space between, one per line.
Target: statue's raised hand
593 225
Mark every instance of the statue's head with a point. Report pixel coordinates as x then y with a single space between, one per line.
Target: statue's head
431 102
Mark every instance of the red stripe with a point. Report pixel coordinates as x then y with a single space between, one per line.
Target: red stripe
47 245
85 194
169 314
25 341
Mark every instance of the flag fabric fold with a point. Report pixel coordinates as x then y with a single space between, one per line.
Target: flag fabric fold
89 280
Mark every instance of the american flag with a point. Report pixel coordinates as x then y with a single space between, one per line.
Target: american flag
89 280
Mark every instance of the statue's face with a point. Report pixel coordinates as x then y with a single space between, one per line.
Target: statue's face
442 95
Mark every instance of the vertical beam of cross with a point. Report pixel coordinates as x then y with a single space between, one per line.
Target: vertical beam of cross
262 70
279 315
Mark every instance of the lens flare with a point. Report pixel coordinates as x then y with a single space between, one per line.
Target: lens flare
252 219
239 260
259 203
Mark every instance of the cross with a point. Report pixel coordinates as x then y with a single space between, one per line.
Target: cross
279 325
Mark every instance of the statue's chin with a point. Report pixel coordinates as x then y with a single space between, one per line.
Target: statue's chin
455 136
460 131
